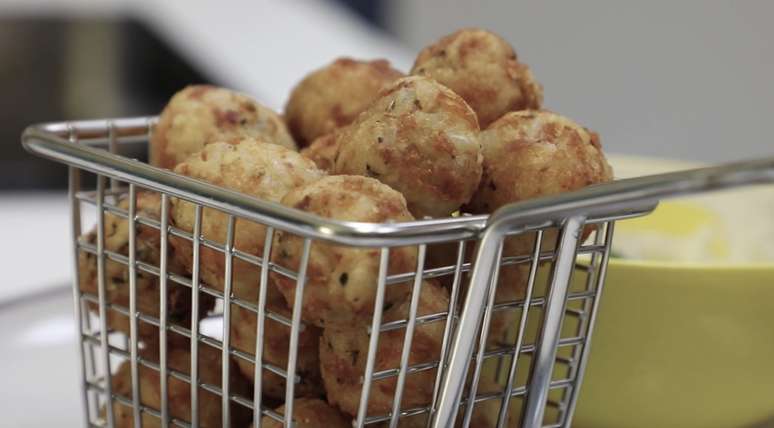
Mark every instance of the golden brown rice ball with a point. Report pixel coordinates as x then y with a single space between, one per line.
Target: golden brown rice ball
444 255
323 151
529 154
344 351
264 171
334 95
179 392
502 321
511 287
148 250
341 281
483 69
311 413
276 349
200 114
419 138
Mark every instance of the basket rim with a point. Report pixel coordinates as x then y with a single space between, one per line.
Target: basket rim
76 143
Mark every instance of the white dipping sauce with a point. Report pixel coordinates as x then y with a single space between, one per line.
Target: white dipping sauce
733 226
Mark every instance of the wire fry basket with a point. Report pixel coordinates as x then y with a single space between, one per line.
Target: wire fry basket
494 360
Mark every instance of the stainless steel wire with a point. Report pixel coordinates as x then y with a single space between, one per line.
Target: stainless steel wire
503 415
545 355
80 313
482 339
194 339
554 378
448 328
592 317
102 296
260 328
408 337
226 348
133 328
294 332
583 320
163 306
373 343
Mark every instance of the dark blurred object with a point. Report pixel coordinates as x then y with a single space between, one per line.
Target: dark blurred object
53 69
370 10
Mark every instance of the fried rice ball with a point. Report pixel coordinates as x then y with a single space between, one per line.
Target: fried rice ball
529 154
483 69
276 349
344 351
311 413
341 281
511 287
419 138
147 250
264 171
503 320
179 391
334 95
202 113
323 151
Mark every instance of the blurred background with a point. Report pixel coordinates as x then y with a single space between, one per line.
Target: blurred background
689 80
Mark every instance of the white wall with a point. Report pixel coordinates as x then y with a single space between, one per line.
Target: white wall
683 79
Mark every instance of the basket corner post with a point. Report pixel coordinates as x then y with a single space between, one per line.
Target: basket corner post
545 352
471 315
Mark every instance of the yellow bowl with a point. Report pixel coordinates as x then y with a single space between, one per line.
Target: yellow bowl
682 344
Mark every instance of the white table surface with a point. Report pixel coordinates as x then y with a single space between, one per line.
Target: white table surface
39 363
34 243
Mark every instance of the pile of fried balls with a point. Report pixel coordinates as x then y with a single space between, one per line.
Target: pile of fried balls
463 132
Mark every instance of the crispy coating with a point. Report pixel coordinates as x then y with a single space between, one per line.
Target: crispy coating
179 392
311 413
341 281
419 138
344 350
276 349
200 114
264 171
483 69
334 95
323 151
510 287
445 255
529 154
147 250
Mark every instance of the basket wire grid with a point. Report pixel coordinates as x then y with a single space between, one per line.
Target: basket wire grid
528 377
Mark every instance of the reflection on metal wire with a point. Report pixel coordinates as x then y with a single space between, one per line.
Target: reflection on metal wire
539 364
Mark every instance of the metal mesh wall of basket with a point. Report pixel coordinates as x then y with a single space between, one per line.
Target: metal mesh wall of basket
480 336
